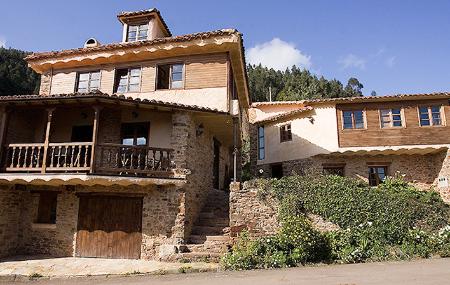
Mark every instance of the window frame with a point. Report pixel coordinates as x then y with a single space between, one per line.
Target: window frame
285 131
378 180
391 118
430 115
135 126
353 128
52 219
183 75
90 72
263 148
138 29
117 80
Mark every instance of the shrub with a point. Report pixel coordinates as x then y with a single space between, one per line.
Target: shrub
391 221
296 243
393 208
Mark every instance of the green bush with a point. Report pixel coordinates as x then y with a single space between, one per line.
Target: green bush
391 221
296 243
393 208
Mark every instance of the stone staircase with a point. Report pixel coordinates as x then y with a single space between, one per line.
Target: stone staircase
210 237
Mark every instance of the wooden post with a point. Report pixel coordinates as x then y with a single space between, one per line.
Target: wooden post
47 138
3 129
94 136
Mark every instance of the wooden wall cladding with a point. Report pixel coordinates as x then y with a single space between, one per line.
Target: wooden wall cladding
411 134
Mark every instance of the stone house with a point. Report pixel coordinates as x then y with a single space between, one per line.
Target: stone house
120 153
362 137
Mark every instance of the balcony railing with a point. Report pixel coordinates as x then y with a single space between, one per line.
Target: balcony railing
76 157
134 160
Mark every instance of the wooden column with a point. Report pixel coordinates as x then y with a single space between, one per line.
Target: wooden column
47 138
94 136
3 129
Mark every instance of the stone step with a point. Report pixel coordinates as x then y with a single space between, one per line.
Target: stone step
200 256
208 230
197 239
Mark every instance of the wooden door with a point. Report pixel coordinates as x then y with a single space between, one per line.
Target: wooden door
109 227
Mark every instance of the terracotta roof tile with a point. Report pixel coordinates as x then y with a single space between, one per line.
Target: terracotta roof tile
285 115
182 38
104 96
359 99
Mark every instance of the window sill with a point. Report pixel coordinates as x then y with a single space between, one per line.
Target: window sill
38 226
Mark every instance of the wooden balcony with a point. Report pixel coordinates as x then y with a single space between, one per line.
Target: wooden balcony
79 157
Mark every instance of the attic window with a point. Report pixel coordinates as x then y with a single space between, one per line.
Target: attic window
137 33
170 76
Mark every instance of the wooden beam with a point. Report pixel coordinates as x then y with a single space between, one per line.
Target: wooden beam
94 136
47 138
3 130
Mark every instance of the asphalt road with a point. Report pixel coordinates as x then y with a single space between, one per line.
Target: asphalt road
423 272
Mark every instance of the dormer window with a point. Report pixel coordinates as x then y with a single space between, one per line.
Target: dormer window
137 32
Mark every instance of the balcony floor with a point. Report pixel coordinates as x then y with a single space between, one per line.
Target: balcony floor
84 179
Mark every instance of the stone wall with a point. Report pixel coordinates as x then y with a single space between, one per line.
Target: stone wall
10 205
54 240
420 170
249 212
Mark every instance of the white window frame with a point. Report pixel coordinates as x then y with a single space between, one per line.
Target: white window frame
391 118
89 89
430 116
138 29
117 80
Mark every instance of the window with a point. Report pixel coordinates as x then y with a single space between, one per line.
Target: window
353 119
137 33
261 144
170 76
430 116
333 169
135 133
88 81
391 118
377 174
285 133
47 208
128 80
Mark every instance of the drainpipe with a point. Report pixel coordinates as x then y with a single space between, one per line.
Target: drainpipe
235 149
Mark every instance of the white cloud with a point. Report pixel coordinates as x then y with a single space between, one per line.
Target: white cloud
390 62
2 42
352 60
278 54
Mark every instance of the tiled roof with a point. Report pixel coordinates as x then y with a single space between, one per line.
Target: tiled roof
103 96
182 38
285 115
144 12
395 97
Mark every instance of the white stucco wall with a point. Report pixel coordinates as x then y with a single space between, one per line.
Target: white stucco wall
313 133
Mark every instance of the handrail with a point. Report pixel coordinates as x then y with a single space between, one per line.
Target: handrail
134 146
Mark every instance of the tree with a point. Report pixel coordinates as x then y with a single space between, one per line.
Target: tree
353 88
16 78
293 84
373 93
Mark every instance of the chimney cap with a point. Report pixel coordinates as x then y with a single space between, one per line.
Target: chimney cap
91 42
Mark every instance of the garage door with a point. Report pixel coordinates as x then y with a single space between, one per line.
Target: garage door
109 227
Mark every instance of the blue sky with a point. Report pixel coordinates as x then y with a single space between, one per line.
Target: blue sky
390 46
